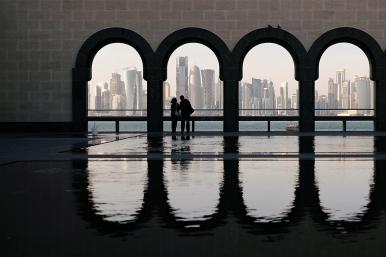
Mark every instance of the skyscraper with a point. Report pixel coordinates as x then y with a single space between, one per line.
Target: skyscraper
257 92
345 97
132 88
106 97
166 94
363 94
246 98
322 105
98 97
219 88
195 88
208 83
117 88
283 98
332 97
182 86
340 78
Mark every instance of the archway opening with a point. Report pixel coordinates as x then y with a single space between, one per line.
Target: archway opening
117 92
193 71
268 89
344 90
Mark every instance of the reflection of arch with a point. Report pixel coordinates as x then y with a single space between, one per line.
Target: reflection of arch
81 73
269 35
307 199
87 210
354 36
231 202
192 35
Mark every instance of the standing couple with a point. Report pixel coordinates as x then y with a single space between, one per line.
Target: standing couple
184 110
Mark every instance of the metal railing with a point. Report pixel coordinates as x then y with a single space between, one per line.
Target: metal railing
217 115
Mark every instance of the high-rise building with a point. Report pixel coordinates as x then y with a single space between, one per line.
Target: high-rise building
294 101
106 97
322 106
133 82
166 94
363 94
208 82
91 97
282 100
182 86
271 99
219 89
345 97
257 93
332 95
98 97
195 88
340 78
246 98
116 84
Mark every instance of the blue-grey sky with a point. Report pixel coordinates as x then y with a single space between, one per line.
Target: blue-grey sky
264 61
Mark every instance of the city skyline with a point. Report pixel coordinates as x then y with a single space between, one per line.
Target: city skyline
266 60
193 72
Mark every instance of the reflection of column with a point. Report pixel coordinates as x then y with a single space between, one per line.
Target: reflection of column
378 197
231 197
307 194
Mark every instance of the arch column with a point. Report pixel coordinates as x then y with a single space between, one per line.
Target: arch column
80 78
155 102
380 101
231 101
306 98
306 105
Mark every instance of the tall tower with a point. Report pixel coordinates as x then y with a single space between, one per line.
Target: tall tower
98 97
332 98
208 83
283 98
340 78
117 88
182 87
195 88
219 89
130 75
346 92
257 93
363 94
106 97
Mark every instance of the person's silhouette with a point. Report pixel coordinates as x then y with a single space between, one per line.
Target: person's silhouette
175 114
186 111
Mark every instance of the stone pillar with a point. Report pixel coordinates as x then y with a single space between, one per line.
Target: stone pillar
231 105
79 100
306 105
380 106
155 105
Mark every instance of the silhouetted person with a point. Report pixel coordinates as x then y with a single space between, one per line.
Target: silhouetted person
175 114
186 111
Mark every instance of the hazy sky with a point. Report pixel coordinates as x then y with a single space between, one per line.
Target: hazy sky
265 61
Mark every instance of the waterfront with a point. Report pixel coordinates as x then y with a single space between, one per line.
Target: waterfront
140 126
206 195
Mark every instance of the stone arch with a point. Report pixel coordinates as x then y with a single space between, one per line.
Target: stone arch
269 35
192 35
354 36
81 73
